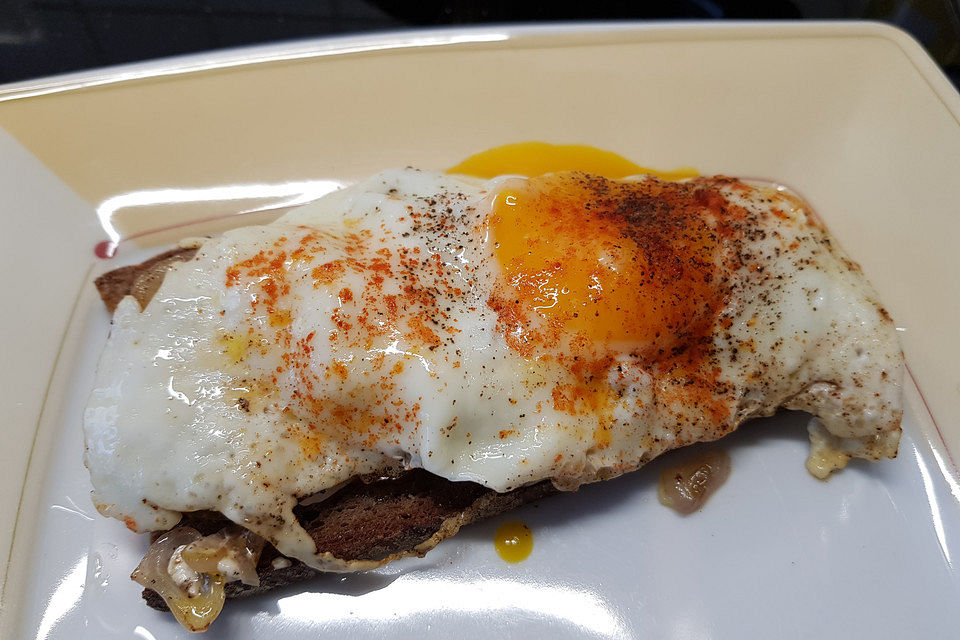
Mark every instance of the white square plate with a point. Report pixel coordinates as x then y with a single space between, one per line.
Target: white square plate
853 116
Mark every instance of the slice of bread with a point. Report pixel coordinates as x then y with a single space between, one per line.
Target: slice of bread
140 280
365 520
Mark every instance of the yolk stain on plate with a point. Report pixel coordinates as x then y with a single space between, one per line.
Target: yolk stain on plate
537 158
513 541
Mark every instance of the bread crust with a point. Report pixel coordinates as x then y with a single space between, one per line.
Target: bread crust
140 280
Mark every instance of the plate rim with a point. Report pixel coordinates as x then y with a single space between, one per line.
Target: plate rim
391 42
440 37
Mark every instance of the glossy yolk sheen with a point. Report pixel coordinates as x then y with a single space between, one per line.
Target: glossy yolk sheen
538 158
603 262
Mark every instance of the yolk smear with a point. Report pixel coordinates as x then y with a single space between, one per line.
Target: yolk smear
603 261
513 541
235 346
537 158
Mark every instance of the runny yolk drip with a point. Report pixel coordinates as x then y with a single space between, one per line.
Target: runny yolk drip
513 541
590 262
537 158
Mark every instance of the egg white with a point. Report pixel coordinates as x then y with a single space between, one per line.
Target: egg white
181 418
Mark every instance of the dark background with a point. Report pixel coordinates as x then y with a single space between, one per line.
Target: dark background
42 37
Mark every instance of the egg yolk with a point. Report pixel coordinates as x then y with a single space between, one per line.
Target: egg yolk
538 158
513 541
598 261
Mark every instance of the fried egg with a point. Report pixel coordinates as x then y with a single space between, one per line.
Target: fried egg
566 327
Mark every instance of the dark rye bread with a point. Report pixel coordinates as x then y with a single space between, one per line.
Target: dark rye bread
361 521
140 280
371 522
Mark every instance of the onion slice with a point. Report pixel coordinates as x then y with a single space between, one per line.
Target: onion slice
686 486
195 611
233 552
